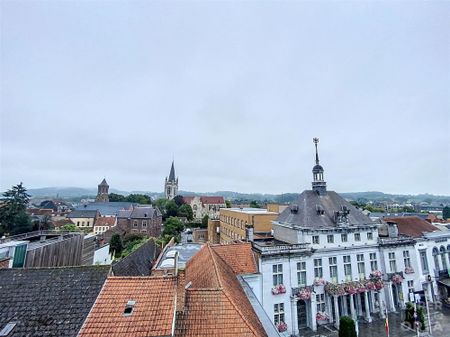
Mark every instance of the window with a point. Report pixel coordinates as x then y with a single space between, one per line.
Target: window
410 286
436 258
278 310
129 308
78 223
318 272
392 262
330 238
135 223
373 261
406 259
361 266
320 300
144 223
443 258
344 238
277 270
347 268
357 237
333 269
315 239
301 273
424 262
369 236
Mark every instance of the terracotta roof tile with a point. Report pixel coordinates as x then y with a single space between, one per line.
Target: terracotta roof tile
412 225
152 313
106 221
215 303
238 256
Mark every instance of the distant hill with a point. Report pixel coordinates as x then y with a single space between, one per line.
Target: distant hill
77 192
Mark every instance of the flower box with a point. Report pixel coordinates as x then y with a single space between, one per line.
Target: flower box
319 282
321 316
278 289
409 270
304 294
282 327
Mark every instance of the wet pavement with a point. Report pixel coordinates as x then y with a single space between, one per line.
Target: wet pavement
440 326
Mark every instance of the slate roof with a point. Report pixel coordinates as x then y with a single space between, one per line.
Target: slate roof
82 214
307 216
172 173
107 208
215 303
104 183
138 263
145 212
412 225
49 301
152 313
124 214
239 256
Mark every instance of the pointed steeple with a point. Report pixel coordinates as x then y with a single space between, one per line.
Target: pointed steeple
172 172
318 184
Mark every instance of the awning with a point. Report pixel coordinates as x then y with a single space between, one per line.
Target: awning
445 282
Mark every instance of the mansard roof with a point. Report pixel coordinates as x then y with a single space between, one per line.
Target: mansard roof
306 211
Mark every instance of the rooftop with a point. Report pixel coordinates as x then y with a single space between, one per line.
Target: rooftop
139 262
185 252
107 208
412 225
49 301
249 210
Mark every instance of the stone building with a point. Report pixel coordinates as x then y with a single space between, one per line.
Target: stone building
205 205
103 190
171 184
144 220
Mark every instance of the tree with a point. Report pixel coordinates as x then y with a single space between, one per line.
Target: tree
179 200
186 211
228 203
446 212
173 228
69 227
347 327
13 216
161 204
205 221
115 245
254 204
139 199
409 316
116 197
171 208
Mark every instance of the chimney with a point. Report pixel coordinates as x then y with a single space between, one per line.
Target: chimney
392 230
249 233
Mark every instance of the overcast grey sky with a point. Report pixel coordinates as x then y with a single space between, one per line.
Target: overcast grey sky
234 91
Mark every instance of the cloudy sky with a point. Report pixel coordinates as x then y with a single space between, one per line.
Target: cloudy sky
234 91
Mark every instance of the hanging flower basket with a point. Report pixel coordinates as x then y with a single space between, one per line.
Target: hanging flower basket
379 284
334 289
319 282
397 279
304 294
409 270
321 316
282 327
370 285
278 289
376 274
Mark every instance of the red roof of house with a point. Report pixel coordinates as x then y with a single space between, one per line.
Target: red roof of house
238 256
206 200
412 225
215 303
106 221
152 314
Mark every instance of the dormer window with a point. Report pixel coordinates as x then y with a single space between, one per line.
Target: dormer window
294 208
129 308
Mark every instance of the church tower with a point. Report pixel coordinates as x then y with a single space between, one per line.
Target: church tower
102 194
171 184
319 185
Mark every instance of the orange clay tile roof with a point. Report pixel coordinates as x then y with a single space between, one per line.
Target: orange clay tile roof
238 256
412 225
215 303
152 314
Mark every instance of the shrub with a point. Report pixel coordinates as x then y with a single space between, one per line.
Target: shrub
347 327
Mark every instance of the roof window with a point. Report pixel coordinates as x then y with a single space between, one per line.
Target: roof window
129 308
7 328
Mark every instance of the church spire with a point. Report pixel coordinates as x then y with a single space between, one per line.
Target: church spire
318 184
171 184
172 172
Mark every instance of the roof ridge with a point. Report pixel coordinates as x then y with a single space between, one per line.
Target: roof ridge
219 280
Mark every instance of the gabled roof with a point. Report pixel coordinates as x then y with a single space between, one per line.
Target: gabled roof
83 214
144 212
210 200
412 225
152 313
215 303
107 208
104 183
238 256
139 262
49 301
106 221
306 211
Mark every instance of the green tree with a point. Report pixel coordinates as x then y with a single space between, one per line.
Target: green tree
139 198
179 200
205 221
254 204
161 204
116 197
69 227
446 212
409 316
228 203
173 228
115 245
13 216
186 211
347 327
171 208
